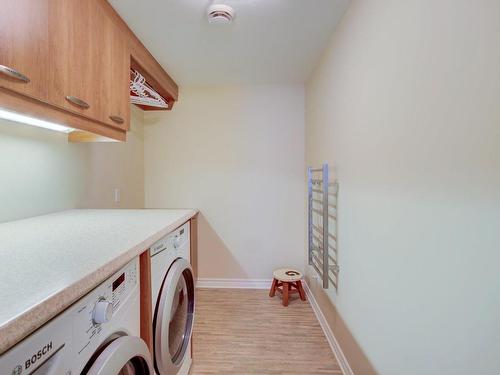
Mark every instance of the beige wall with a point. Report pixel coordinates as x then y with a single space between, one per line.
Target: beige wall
41 172
118 165
237 154
405 108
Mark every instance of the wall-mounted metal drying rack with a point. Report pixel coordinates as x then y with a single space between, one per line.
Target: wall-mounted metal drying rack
322 225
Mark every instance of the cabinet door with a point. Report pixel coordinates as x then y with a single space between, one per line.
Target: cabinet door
24 47
73 56
115 74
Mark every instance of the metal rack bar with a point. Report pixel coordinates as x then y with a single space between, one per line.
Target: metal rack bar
320 212
316 268
317 259
332 248
321 231
333 282
309 213
329 257
325 225
317 229
318 239
319 243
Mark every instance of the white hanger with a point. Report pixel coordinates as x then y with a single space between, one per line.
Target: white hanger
146 95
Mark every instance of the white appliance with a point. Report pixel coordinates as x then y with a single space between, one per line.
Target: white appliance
98 335
172 287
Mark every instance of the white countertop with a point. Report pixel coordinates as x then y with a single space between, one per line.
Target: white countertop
48 262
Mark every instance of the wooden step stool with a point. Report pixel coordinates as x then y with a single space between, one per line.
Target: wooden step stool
287 281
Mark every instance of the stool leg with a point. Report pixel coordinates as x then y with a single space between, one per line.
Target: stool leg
286 288
272 292
301 290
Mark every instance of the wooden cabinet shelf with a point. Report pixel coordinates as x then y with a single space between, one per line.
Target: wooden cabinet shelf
68 61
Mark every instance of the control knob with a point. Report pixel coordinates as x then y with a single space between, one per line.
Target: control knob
103 310
177 241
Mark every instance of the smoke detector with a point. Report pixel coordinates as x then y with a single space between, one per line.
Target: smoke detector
220 14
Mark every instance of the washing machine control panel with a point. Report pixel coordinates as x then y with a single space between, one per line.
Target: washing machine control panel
99 307
172 241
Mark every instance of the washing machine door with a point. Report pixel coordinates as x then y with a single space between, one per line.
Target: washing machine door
173 319
125 355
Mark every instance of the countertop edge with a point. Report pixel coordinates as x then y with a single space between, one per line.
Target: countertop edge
20 326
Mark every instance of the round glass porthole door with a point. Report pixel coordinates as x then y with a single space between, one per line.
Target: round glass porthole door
174 318
125 355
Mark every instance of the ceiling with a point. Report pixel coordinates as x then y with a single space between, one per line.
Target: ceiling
269 41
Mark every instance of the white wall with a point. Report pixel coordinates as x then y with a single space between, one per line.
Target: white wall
41 172
405 108
237 154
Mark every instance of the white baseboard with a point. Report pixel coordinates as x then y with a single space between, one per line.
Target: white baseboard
234 283
337 351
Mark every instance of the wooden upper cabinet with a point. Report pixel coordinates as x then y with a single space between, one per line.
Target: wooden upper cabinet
89 62
24 46
70 61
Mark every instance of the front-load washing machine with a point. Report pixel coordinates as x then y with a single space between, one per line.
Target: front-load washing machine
172 287
97 335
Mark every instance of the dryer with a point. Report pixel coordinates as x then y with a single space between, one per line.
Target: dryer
173 302
97 335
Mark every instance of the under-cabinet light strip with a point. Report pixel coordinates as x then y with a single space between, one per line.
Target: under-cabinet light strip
12 116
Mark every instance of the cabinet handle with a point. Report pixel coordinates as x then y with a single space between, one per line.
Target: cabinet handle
117 119
13 73
76 101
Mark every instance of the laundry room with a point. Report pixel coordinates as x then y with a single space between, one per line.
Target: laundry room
199 187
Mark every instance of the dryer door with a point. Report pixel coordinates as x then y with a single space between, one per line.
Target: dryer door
125 355
173 319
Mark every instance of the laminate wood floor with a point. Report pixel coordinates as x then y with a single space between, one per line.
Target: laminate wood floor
244 331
